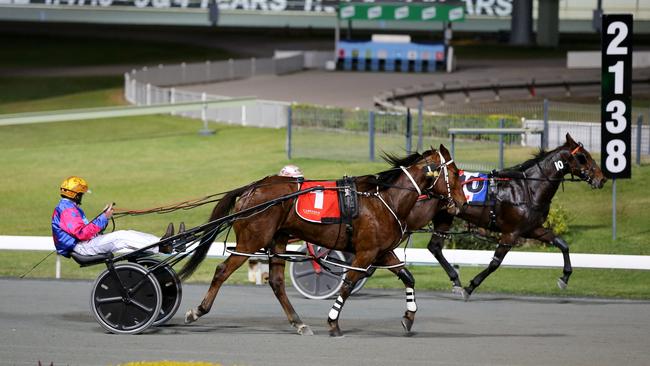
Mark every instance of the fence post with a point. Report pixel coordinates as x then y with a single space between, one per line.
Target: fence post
205 131
289 127
147 97
243 115
409 130
501 125
453 146
127 87
420 126
183 72
371 135
172 98
639 130
546 135
57 267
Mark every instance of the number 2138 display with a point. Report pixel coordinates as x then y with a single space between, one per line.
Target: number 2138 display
616 132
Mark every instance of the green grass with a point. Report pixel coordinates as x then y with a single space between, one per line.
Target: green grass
31 94
540 282
154 160
20 50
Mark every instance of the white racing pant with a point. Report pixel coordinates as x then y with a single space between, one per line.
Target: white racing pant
127 240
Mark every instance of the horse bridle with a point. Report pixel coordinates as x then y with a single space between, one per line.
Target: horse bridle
444 164
584 173
433 170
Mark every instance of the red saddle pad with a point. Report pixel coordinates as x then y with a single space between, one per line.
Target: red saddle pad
321 206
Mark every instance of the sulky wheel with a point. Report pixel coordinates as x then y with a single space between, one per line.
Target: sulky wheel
315 282
170 286
126 300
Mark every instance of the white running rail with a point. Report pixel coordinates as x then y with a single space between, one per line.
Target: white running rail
412 256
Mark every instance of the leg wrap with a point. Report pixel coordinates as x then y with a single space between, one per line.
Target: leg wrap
410 300
406 277
495 263
336 308
561 244
564 247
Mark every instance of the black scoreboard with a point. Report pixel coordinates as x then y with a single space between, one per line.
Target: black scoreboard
616 93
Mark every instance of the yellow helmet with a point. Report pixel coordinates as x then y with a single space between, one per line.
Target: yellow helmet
72 186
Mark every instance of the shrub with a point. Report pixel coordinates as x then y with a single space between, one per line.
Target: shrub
558 220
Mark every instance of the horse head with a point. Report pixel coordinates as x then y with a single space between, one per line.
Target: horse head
446 181
583 165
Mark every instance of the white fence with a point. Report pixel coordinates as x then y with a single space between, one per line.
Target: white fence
152 86
586 132
412 256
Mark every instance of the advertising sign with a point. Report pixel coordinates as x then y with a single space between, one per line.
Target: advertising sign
413 11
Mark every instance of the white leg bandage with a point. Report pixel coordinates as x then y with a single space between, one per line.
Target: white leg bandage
410 300
336 308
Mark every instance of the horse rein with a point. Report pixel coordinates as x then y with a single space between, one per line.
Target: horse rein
430 173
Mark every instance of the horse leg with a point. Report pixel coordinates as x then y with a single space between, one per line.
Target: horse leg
221 274
435 247
505 244
442 222
548 236
409 283
351 278
276 281
563 281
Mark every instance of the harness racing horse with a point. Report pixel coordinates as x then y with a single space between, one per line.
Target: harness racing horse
384 202
522 204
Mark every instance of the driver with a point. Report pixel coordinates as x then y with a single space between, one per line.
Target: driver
71 230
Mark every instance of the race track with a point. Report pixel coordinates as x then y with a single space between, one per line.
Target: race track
50 321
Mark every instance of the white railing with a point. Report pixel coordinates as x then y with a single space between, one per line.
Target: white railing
411 256
159 85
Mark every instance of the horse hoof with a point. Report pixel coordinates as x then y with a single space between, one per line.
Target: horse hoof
407 324
305 330
191 316
561 284
466 295
335 331
457 290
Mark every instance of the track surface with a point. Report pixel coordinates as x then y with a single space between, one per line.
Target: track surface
50 321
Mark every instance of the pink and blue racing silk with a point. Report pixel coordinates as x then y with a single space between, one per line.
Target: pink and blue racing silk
70 226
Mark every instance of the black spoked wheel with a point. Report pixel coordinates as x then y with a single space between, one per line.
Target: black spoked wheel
126 301
319 281
170 287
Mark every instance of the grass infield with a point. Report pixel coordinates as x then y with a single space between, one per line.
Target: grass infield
155 160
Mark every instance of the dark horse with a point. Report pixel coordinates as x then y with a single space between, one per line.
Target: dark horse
384 202
523 199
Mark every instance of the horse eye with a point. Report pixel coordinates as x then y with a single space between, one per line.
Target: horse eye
581 159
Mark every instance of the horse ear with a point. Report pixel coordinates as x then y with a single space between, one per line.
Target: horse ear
445 152
570 140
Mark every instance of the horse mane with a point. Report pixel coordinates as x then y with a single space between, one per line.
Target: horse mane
538 156
387 177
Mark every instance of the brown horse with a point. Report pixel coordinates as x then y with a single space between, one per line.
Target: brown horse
522 205
384 202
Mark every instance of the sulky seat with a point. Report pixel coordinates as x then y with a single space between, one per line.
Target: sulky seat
87 260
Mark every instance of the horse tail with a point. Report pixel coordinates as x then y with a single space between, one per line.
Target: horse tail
223 208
